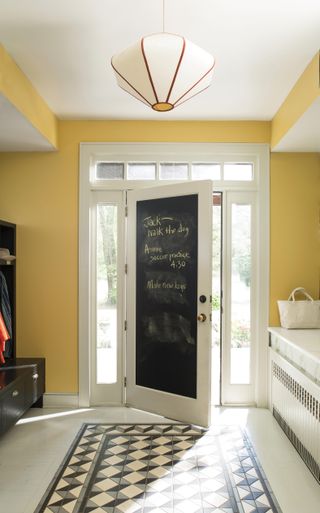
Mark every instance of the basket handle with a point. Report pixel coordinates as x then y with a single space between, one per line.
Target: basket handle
299 289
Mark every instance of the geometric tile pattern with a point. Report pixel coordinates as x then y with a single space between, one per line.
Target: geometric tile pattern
167 468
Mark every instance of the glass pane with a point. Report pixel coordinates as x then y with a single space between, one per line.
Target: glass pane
141 171
206 171
110 171
240 294
106 294
238 172
216 295
173 171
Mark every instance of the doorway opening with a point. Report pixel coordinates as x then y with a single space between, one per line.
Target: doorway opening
108 258
238 310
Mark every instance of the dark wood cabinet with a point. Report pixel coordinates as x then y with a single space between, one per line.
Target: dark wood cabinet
22 385
22 380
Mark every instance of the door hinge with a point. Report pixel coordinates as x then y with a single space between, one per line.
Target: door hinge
126 211
125 325
125 382
126 268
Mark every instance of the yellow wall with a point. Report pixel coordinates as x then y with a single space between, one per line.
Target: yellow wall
39 192
294 226
73 132
17 88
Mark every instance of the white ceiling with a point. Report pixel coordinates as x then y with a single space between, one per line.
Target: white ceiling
64 47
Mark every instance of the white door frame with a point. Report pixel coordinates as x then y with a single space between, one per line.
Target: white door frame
90 153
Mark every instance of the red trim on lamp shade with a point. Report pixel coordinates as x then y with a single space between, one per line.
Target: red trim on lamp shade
187 99
148 70
127 81
177 68
194 85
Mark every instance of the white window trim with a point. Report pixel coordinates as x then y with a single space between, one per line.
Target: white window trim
90 153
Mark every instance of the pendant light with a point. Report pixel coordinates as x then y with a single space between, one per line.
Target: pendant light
163 70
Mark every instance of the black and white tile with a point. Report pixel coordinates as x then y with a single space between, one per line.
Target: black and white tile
147 468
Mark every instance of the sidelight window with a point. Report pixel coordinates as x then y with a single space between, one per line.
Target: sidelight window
106 287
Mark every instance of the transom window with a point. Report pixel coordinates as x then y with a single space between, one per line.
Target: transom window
173 171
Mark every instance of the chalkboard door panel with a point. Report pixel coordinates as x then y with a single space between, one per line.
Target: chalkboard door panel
169 268
166 294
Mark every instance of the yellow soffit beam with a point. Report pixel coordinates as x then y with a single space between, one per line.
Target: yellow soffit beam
19 91
302 95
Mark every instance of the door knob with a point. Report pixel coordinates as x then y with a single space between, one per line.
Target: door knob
202 317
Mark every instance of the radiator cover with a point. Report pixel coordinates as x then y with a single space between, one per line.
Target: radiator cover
295 404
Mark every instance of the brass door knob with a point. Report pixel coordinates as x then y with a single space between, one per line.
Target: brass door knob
202 317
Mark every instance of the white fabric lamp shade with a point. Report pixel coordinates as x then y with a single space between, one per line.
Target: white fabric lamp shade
163 70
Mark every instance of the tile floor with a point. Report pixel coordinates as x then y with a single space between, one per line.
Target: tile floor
31 452
160 468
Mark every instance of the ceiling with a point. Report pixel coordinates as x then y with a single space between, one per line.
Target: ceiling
64 48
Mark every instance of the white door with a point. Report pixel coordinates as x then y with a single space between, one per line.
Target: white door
169 301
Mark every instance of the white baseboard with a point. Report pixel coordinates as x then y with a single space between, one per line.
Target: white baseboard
60 400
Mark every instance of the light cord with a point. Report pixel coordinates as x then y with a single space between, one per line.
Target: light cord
163 13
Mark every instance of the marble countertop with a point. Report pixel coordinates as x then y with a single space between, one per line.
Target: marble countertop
306 341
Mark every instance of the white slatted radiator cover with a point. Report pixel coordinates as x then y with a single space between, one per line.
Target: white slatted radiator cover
295 403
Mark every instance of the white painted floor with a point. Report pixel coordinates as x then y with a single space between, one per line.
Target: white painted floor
31 452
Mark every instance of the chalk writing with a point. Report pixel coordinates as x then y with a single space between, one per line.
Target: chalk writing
177 259
156 284
162 226
148 249
153 221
